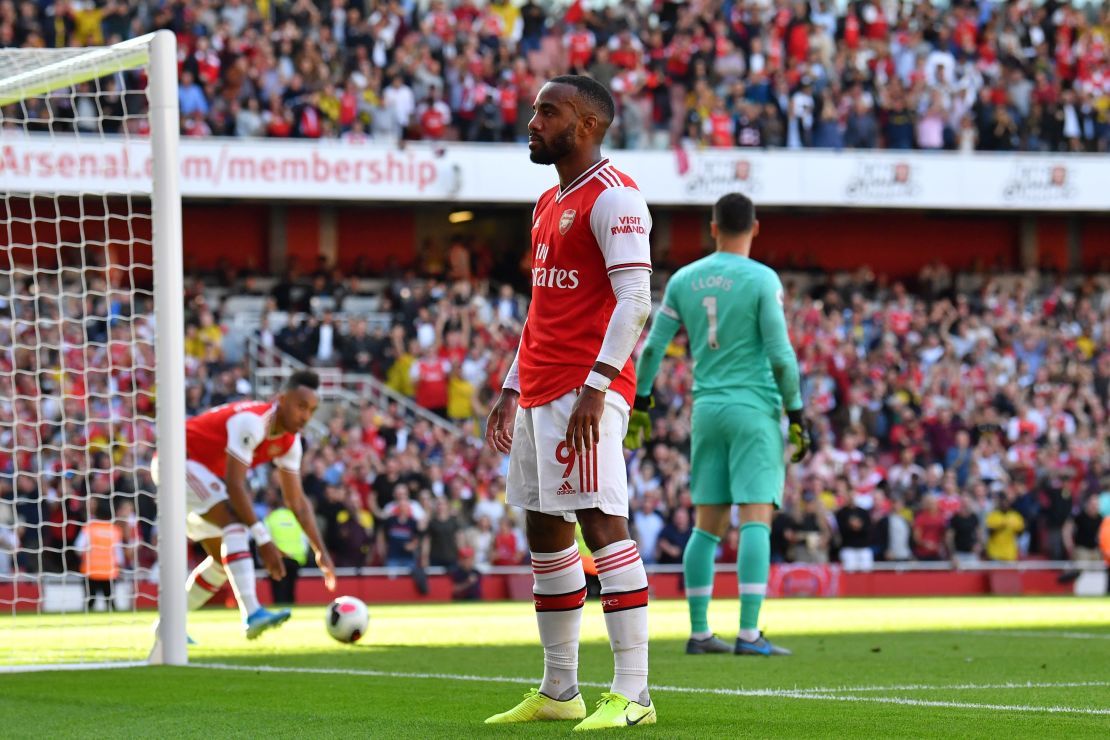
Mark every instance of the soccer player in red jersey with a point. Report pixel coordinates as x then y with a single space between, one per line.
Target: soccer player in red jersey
220 446
574 385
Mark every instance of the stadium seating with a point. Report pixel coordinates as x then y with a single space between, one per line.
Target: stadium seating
935 75
888 378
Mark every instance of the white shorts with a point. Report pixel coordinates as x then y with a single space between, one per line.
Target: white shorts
203 490
546 475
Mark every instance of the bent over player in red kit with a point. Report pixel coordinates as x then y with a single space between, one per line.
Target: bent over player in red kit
220 446
574 385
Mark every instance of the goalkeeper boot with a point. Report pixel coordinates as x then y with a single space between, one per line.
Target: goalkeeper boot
263 620
538 707
762 646
711 644
617 710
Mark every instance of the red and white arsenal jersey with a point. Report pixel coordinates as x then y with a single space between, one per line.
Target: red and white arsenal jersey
598 225
240 429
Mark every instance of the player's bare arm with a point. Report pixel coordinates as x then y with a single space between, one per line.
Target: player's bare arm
239 499
499 425
584 425
293 493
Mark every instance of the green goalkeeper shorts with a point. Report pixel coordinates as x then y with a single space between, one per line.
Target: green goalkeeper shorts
736 456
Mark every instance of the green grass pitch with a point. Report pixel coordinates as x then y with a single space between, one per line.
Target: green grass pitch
912 668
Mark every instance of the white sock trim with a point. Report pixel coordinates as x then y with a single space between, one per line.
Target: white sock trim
547 565
239 565
617 558
753 589
700 591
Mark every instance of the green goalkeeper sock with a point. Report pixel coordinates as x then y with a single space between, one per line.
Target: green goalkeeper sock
754 565
697 569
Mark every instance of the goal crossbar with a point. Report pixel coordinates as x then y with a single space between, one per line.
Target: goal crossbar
82 66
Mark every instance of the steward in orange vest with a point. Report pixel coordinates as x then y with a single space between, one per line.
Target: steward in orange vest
100 543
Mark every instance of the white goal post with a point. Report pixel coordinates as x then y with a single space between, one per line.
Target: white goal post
92 363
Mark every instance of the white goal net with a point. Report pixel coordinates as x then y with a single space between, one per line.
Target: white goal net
91 378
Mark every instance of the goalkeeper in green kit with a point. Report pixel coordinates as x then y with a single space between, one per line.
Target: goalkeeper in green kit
745 374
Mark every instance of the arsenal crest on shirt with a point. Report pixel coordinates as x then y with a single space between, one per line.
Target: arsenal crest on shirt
566 220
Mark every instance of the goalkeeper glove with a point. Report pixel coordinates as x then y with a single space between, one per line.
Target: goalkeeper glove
639 422
798 433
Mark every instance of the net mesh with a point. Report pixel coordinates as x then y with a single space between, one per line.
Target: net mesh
77 374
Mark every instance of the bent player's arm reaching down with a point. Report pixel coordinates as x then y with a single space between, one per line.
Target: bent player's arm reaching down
239 499
289 476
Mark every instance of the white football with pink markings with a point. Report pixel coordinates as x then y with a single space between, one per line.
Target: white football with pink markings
347 619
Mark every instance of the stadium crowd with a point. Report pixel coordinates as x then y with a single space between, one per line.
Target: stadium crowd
756 73
950 425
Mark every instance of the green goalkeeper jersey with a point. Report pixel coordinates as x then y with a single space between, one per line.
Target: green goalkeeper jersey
732 308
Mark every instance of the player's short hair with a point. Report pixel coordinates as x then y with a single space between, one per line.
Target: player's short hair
593 92
734 213
303 379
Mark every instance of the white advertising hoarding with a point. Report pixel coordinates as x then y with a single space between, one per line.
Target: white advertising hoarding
470 173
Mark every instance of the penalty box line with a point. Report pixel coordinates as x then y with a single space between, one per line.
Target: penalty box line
1046 635
818 694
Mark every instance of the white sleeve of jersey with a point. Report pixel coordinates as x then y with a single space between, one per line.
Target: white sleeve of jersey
621 224
245 431
633 291
291 460
512 377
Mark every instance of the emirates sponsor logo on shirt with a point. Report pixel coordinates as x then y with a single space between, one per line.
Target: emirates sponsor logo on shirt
566 220
275 450
554 277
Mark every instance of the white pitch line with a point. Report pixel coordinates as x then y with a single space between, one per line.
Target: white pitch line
806 694
71 666
950 704
955 687
1045 635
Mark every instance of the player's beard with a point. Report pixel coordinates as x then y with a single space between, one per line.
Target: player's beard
560 146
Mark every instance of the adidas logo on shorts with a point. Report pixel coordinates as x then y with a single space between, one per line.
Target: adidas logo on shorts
565 489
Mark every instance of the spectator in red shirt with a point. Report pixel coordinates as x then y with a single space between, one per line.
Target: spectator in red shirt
720 127
430 377
509 103
434 116
506 545
929 527
579 43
